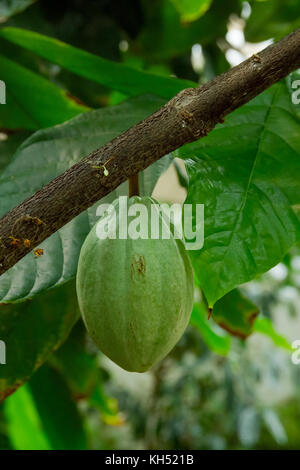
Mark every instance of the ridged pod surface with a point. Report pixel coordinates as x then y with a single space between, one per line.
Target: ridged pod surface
135 295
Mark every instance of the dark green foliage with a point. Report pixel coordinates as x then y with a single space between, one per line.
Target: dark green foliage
136 55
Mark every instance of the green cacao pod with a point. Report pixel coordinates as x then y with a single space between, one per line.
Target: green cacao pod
135 295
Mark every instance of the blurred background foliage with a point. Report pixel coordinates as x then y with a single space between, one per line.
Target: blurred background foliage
215 390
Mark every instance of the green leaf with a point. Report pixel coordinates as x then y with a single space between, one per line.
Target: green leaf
59 414
191 10
215 342
105 72
165 36
79 368
8 146
47 154
23 422
31 331
236 314
32 101
12 7
247 174
264 326
272 19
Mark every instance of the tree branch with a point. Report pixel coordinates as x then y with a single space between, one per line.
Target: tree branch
190 115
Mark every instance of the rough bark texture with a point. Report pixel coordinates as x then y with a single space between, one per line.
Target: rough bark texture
190 115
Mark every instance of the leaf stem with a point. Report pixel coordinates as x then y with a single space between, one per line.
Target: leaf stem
134 186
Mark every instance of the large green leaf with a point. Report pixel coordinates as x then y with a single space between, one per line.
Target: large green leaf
32 101
44 156
8 146
32 330
191 10
112 74
62 423
247 174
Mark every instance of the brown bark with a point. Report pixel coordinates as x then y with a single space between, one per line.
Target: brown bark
190 115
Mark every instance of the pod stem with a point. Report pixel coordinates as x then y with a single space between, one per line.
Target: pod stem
134 187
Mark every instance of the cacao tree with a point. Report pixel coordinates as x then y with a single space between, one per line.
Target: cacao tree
104 100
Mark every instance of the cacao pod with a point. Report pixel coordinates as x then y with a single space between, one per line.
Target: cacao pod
135 295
